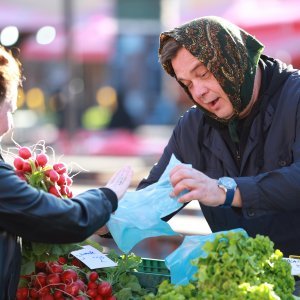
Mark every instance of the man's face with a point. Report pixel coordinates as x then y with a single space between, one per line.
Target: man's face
202 85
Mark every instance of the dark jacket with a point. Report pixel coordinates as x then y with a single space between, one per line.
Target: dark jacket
41 217
268 173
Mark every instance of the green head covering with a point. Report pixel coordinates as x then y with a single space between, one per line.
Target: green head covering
228 52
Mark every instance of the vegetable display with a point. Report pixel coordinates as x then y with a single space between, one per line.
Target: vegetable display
236 267
68 278
49 271
43 171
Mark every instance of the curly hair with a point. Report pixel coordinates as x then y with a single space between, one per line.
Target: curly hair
10 72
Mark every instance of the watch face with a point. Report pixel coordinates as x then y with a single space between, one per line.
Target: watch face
227 182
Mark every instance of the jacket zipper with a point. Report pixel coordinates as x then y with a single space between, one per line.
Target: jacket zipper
238 156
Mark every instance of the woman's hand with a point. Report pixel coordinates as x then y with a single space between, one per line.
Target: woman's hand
119 184
198 186
103 230
120 181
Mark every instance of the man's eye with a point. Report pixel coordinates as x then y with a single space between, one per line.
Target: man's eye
189 85
186 85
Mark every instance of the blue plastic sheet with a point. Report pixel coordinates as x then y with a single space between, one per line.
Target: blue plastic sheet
179 261
139 213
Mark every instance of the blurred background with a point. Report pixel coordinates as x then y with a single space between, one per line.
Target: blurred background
94 89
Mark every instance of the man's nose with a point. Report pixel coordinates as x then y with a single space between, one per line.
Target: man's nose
200 90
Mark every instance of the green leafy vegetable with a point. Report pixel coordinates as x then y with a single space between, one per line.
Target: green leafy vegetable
236 267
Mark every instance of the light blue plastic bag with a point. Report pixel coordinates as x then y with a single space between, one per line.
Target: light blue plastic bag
179 261
139 213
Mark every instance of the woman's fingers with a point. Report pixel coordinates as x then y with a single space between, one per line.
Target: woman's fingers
120 181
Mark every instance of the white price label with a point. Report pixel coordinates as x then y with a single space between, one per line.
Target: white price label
93 258
295 263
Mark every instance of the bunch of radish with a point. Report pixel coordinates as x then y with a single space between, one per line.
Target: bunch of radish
58 280
38 172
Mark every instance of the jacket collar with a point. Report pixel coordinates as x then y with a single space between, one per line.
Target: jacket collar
213 140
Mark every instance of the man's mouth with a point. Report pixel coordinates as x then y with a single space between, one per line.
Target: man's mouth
212 103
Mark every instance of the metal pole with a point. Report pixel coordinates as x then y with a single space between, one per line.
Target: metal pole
70 111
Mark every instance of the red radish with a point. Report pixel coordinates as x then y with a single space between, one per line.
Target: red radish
54 268
72 289
40 266
62 179
62 260
47 170
53 175
22 293
25 152
99 297
47 297
18 163
69 181
64 190
54 191
21 175
70 195
33 293
93 276
26 167
105 288
81 284
53 279
42 159
91 293
111 298
92 285
60 168
58 294
76 262
68 276
40 280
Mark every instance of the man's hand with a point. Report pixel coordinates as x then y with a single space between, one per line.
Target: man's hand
199 186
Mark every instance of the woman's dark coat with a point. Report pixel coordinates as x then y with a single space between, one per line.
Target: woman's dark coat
41 217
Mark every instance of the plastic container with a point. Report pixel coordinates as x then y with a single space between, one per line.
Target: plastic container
151 273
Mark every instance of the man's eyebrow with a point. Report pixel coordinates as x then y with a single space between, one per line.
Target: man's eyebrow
197 65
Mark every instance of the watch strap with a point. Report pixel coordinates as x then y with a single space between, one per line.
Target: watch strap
229 197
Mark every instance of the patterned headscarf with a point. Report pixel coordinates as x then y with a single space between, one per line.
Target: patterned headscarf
228 52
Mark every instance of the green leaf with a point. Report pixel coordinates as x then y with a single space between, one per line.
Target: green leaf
40 248
28 267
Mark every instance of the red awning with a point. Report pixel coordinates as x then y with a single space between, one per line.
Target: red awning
276 23
93 40
26 20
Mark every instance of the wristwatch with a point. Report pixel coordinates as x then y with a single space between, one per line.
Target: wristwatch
229 186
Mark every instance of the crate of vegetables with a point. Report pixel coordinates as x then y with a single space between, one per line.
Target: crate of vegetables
151 272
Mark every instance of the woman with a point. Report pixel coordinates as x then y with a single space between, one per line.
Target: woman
33 214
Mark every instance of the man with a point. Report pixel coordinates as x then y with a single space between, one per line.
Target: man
242 137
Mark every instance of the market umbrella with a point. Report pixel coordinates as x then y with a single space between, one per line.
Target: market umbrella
25 19
93 40
276 23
